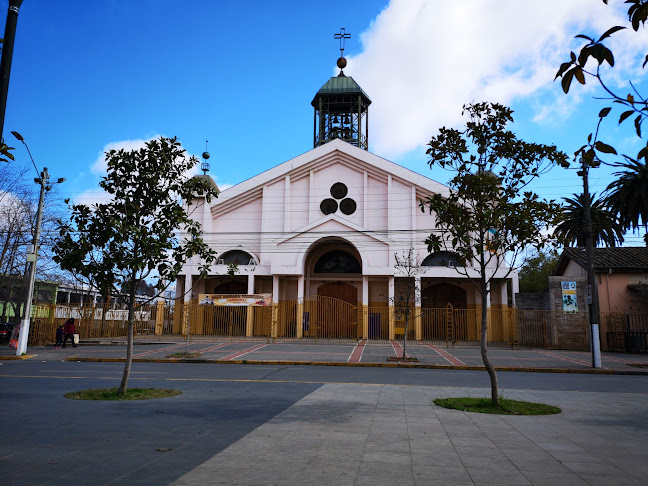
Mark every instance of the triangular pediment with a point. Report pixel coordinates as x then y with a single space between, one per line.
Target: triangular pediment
331 224
331 153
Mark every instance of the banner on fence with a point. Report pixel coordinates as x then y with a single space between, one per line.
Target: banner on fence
570 303
254 300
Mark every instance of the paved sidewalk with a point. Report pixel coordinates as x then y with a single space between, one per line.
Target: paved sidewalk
359 435
360 354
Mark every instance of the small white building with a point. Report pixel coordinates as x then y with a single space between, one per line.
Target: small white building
329 223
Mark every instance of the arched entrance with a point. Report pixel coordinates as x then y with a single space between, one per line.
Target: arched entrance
333 271
339 290
440 295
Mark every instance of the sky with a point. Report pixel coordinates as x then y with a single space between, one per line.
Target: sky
88 76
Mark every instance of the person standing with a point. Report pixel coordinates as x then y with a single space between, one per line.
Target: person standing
60 331
69 331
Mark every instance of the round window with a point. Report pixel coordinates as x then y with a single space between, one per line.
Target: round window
339 190
329 206
348 206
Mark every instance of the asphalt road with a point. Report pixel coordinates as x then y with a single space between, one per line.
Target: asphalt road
52 440
169 375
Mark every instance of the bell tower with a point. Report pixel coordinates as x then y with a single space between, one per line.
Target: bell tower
341 107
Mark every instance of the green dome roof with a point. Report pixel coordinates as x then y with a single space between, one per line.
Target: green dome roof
341 85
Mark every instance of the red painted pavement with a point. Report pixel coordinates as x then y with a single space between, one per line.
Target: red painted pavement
212 348
356 354
398 349
447 356
168 348
245 351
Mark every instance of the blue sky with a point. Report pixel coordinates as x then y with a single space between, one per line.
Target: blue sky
91 75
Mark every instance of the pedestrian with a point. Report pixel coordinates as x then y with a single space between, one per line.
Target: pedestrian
69 331
60 331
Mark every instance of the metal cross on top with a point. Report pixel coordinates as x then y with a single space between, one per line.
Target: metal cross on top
342 36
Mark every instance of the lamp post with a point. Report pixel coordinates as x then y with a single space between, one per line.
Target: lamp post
32 255
592 297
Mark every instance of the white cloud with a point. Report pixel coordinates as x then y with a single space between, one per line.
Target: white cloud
97 195
100 165
423 59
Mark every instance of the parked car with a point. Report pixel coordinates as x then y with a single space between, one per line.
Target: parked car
5 331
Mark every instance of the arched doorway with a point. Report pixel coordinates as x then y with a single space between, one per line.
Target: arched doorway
339 290
438 296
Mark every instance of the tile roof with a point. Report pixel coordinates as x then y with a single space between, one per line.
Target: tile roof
622 258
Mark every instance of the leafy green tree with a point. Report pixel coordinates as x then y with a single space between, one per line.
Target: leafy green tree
134 236
534 273
628 195
489 216
606 226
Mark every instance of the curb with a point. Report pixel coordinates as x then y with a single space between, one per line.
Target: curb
11 358
585 371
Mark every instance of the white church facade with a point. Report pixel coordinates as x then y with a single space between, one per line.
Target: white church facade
327 227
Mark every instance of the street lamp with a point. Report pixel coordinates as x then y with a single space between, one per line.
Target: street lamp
32 255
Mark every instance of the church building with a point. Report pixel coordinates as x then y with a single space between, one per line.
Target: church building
322 233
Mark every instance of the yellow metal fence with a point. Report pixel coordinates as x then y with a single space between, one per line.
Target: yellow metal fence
330 320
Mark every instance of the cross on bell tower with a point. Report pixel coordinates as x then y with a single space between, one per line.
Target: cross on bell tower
341 107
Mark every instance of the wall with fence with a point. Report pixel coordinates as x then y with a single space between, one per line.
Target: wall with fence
326 319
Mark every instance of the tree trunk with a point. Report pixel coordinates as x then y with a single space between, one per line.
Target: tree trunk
129 345
484 349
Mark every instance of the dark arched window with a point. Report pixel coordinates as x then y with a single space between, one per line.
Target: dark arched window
238 257
443 259
338 261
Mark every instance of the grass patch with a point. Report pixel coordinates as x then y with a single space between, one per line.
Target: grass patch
184 355
131 394
506 406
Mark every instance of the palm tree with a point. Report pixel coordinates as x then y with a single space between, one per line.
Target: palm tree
607 228
628 195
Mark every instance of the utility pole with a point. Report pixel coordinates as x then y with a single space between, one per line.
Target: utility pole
591 276
32 257
7 55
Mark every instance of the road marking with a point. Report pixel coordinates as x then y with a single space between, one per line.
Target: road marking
566 358
356 354
158 350
447 356
241 353
212 348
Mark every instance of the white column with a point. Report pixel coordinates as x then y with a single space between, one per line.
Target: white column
188 290
250 283
504 293
275 289
515 288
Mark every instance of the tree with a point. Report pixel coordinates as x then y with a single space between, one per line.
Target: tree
628 196
134 236
488 217
571 229
534 273
408 298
